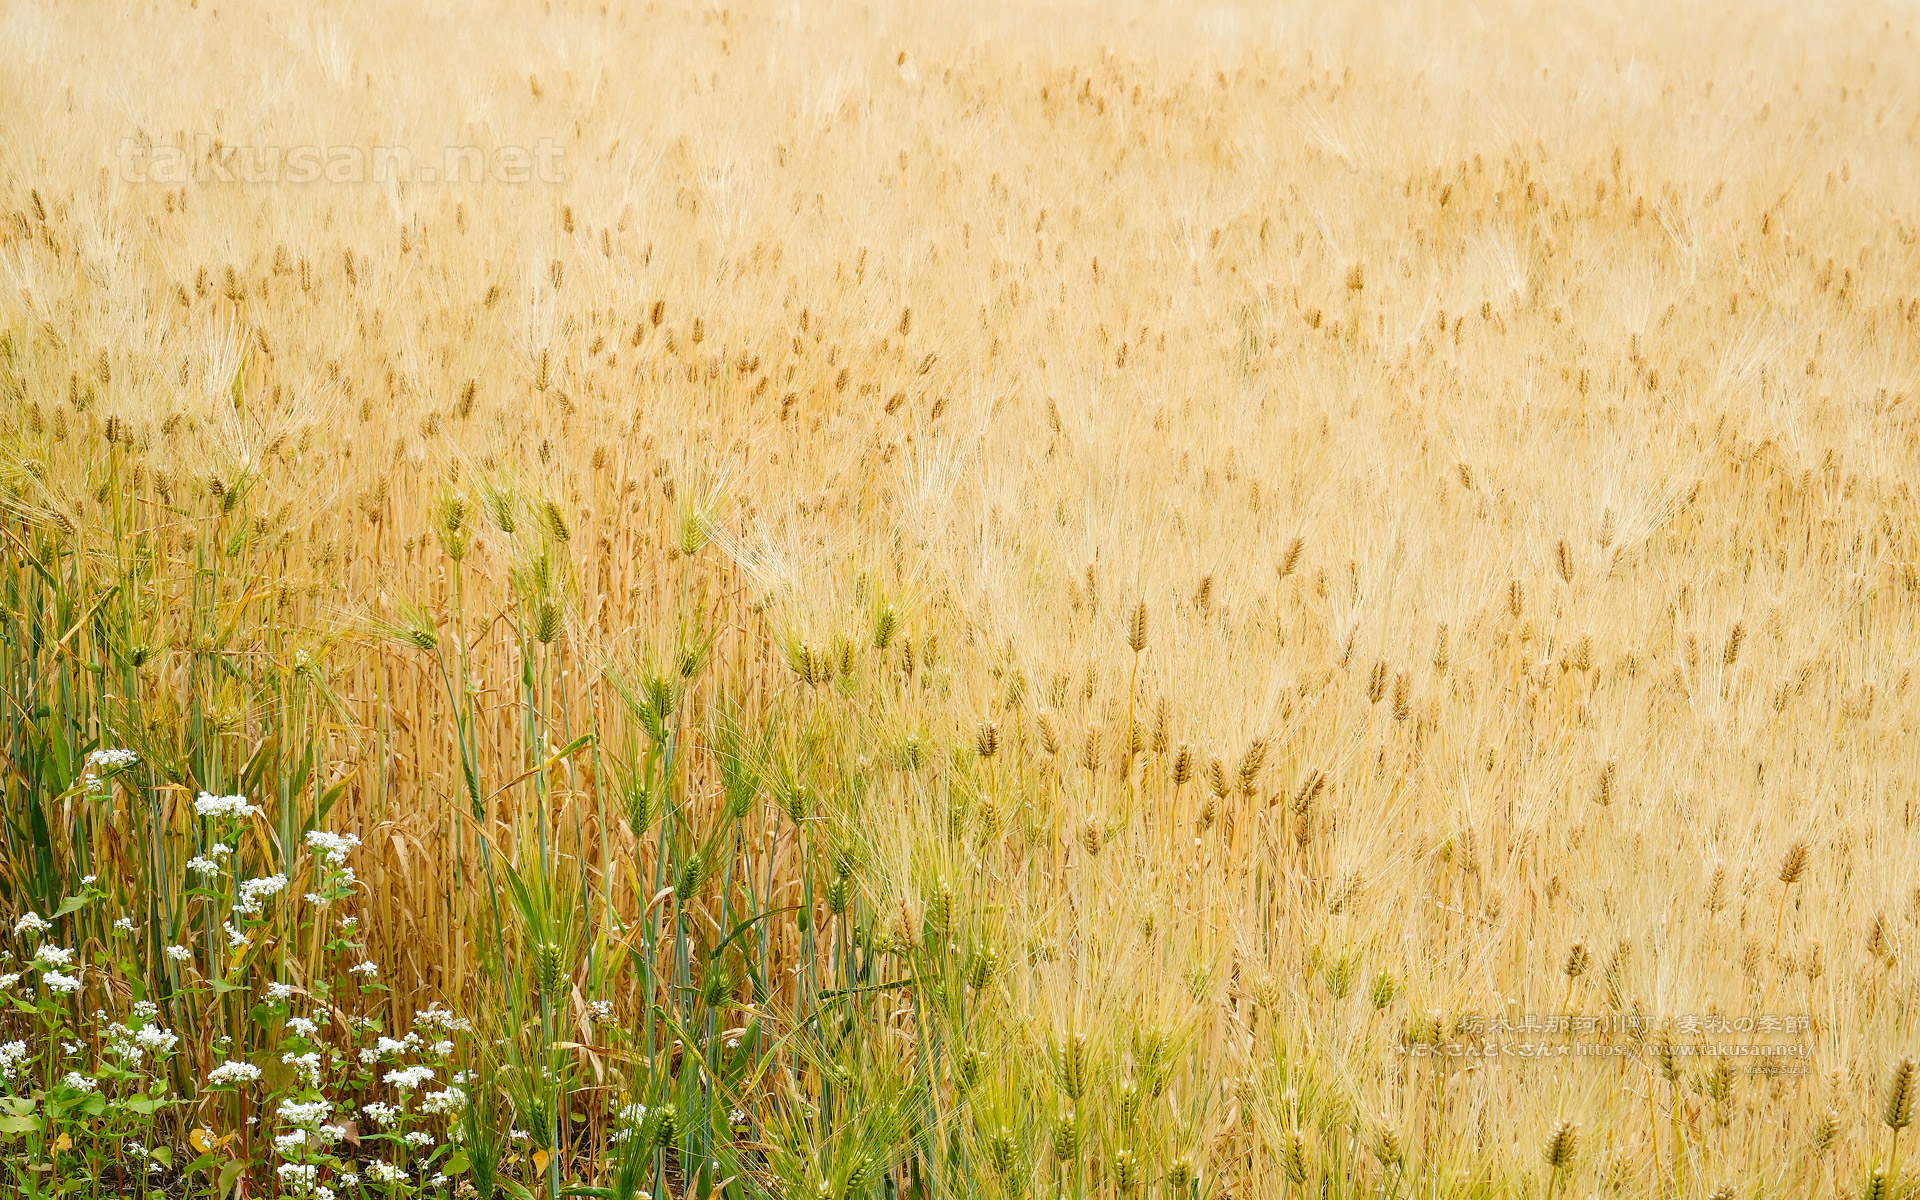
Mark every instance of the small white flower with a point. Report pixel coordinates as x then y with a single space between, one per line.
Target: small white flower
254 891
442 1048
380 1112
419 1138
443 1103
333 847
386 1172
307 1114
89 880
205 868
236 938
124 925
31 922
113 760
298 1176
7 981
234 1071
160 1041
408 1078
302 1027
57 982
307 1064
236 807
368 968
52 956
179 953
349 1179
435 1017
78 1082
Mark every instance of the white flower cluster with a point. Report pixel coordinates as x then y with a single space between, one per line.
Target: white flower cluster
386 1172
279 991
253 891
236 807
50 955
234 1071
298 1177
31 922
302 1027
435 1017
445 1103
12 1054
307 1064
133 1044
207 865
104 760
408 1078
305 1114
179 953
56 982
380 1113
78 1082
332 847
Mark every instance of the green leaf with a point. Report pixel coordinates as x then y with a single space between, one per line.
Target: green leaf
94 1105
229 1172
70 904
16 1124
514 1189
457 1163
19 1106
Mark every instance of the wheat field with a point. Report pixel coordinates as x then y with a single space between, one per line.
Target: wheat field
1261 550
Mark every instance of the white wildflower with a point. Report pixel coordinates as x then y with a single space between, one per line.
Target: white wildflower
333 847
452 1100
409 1078
209 805
234 1071
306 1114
380 1112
